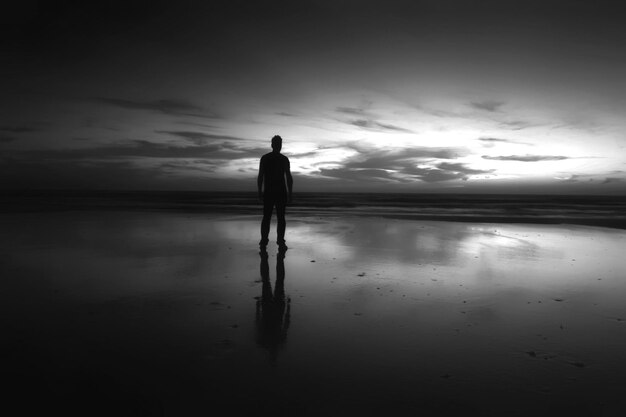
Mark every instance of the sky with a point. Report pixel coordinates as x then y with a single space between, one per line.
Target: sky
394 96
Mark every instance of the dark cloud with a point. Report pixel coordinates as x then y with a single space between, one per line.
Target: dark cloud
17 129
518 124
368 120
374 125
488 105
7 139
362 123
165 106
397 159
111 175
403 166
432 174
196 124
184 166
136 164
355 111
527 158
387 126
199 138
492 141
43 174
374 164
140 149
444 171
442 113
613 180
462 169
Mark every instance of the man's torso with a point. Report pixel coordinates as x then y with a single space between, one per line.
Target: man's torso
274 167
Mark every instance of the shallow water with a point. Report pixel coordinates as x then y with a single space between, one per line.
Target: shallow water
166 314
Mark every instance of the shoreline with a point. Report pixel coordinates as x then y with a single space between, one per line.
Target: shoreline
610 223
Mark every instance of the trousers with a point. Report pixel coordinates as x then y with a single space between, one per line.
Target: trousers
271 200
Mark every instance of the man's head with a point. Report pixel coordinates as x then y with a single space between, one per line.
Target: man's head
277 143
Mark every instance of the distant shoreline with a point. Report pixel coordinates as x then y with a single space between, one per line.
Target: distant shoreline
600 211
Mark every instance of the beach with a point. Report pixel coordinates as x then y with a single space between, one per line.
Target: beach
118 312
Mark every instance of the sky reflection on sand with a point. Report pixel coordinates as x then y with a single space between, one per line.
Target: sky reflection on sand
380 310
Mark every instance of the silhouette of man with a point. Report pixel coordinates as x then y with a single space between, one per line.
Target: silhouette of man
273 170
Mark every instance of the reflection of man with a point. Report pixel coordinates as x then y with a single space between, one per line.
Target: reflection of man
272 311
273 170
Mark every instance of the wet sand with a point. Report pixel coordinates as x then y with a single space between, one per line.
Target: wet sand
131 313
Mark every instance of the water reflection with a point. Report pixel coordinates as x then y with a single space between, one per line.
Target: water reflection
273 309
442 243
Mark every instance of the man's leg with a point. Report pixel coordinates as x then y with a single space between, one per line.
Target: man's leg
268 206
282 224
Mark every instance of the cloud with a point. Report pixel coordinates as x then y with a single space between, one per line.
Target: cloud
356 111
357 174
368 120
377 158
518 124
462 169
442 113
306 155
202 125
198 138
183 166
392 127
493 140
613 180
489 141
488 105
402 166
417 152
43 174
571 178
113 175
444 171
12 130
165 106
432 174
133 164
362 123
141 149
17 129
374 125
527 158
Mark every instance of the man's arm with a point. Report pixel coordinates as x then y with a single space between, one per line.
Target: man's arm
259 180
289 180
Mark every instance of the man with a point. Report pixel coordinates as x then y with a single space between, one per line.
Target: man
273 170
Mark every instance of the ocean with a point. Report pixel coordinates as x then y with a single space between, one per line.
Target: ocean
605 211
